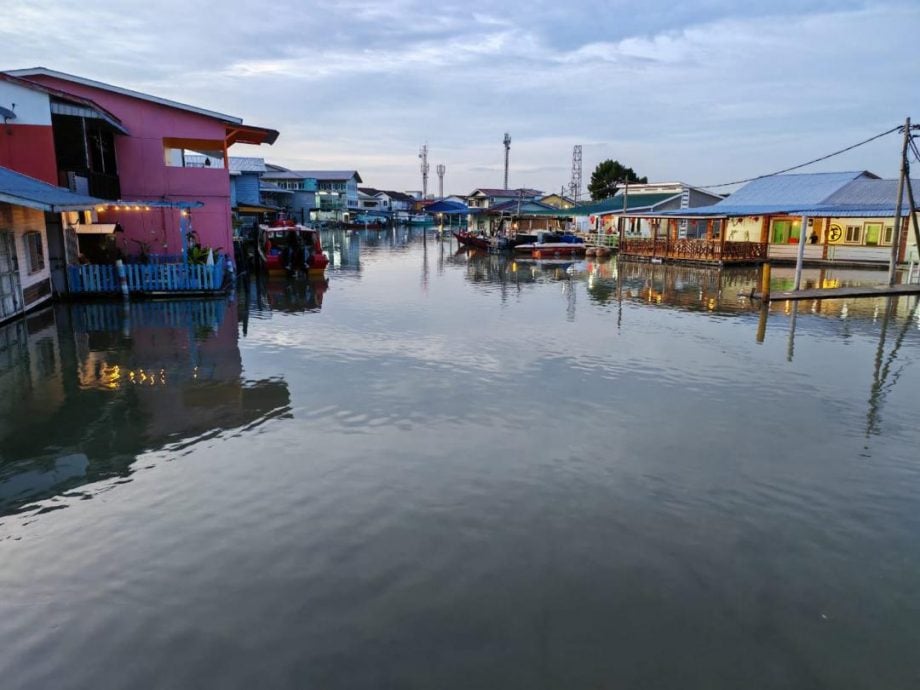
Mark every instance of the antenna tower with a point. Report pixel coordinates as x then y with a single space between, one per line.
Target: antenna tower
507 151
423 154
441 169
575 184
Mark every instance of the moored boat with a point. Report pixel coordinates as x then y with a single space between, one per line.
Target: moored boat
290 248
468 239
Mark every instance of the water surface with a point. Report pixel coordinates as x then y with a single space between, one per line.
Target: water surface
442 469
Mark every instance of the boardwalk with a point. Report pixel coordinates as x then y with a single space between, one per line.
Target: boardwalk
837 293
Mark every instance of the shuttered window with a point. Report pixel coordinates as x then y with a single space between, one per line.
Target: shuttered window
35 253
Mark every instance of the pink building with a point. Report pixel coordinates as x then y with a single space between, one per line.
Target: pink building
150 162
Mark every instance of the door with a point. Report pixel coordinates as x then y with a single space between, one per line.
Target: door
10 290
57 256
780 232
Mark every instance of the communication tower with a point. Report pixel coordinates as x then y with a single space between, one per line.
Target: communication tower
441 169
507 152
575 184
423 154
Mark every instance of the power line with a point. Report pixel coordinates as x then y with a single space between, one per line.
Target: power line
802 165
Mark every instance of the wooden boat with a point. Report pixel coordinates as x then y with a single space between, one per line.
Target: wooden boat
469 240
290 248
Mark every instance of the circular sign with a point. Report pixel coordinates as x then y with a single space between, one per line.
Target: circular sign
835 233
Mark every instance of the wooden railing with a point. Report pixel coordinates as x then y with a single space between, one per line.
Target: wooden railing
693 249
103 278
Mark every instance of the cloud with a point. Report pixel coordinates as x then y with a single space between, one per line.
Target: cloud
702 91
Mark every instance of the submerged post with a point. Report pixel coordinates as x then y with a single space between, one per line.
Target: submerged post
765 283
762 322
122 277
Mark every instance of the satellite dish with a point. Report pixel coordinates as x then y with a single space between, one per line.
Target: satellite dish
7 114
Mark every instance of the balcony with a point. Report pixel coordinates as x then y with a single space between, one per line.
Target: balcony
89 182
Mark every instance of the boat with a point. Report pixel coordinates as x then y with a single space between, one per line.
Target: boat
289 248
550 245
371 221
468 239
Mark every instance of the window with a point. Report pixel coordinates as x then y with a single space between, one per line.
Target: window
35 253
854 234
888 234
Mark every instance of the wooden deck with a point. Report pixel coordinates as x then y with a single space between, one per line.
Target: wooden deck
838 293
700 251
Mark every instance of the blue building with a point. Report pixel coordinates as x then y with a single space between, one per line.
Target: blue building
324 195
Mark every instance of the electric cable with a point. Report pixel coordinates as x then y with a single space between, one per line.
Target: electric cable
802 165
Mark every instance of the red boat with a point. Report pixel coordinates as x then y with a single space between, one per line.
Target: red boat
291 248
469 240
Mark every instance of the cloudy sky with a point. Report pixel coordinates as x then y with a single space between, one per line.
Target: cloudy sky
704 91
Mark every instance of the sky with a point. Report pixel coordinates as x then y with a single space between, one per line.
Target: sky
702 92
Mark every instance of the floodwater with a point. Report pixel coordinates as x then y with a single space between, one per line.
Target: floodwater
449 470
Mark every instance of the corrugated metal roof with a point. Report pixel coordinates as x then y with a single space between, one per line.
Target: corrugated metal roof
22 190
507 193
797 189
868 191
270 187
336 175
44 71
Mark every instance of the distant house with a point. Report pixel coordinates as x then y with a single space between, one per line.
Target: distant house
326 195
605 215
557 201
367 199
130 147
486 197
396 203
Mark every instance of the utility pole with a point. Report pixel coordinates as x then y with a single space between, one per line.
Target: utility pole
423 154
896 231
441 169
507 152
575 184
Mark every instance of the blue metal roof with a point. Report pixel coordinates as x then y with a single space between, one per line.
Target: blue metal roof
868 192
449 207
785 194
798 189
23 190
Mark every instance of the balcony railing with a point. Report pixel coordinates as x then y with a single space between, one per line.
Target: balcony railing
710 251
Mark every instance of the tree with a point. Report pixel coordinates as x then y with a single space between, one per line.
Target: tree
607 177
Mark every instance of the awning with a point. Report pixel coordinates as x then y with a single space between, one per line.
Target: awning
247 134
94 228
22 190
254 208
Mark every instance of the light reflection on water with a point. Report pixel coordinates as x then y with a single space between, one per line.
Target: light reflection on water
444 469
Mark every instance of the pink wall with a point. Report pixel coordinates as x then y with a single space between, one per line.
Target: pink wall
144 174
29 149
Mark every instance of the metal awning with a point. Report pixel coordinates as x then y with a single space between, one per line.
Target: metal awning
22 190
86 111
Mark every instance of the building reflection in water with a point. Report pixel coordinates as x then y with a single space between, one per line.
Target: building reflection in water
87 388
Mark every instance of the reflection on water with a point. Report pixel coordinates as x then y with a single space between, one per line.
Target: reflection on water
517 474
86 388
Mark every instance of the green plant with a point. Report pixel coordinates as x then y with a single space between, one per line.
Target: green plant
199 255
